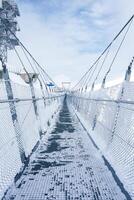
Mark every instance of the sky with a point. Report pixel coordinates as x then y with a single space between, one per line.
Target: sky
66 36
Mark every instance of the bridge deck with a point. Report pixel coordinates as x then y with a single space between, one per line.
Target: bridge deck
66 166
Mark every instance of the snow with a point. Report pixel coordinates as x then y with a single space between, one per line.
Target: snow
10 163
111 126
66 166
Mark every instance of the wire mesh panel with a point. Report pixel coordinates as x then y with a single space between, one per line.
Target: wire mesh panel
10 162
47 105
42 106
42 114
26 117
104 123
21 91
110 113
24 111
106 114
122 146
28 125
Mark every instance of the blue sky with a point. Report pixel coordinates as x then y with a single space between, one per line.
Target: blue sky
66 36
77 19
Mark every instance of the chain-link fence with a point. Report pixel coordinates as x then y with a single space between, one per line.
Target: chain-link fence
19 131
109 114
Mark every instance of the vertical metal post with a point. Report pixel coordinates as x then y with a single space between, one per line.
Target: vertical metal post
43 94
35 105
117 113
92 88
127 79
13 112
129 70
103 83
128 74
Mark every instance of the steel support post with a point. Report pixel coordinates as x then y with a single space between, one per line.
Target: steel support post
35 106
13 112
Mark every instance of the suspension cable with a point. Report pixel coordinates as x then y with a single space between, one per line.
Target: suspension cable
7 27
24 51
25 67
93 72
88 77
119 33
117 52
36 69
101 67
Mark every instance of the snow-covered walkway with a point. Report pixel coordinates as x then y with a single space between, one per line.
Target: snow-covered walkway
66 167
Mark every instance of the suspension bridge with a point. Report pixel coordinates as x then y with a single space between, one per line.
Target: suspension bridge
63 143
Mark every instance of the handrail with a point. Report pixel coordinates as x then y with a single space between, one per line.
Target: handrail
106 100
29 99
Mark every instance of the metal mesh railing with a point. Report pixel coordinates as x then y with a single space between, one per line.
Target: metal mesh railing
110 116
22 135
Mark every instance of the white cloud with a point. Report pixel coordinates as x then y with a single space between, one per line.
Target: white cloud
99 9
68 39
